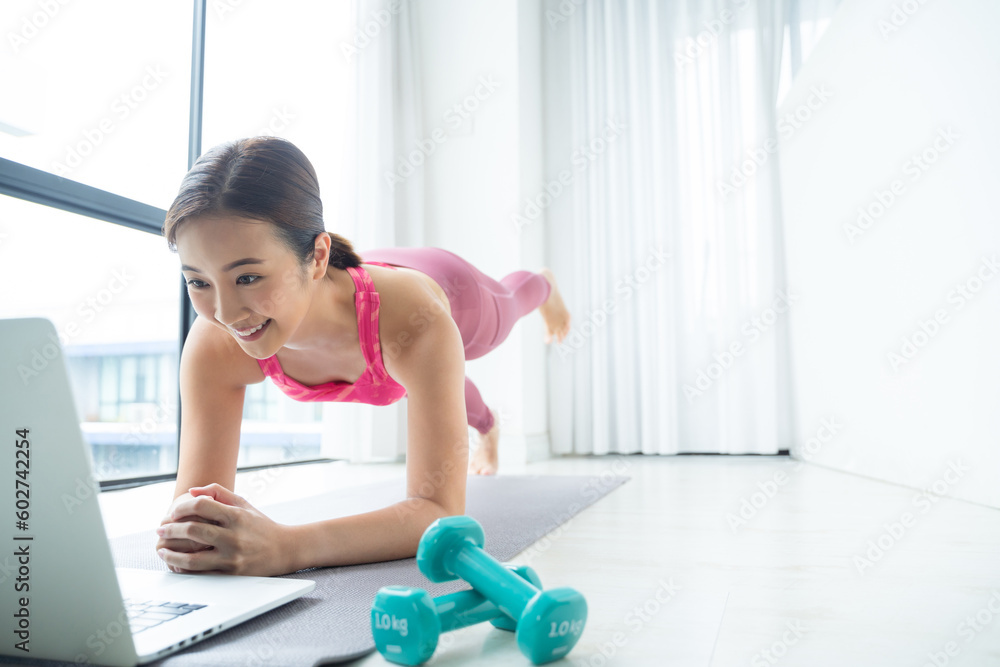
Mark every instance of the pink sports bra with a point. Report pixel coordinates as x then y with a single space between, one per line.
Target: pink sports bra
374 387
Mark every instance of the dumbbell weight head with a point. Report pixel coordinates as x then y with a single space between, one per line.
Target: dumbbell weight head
407 623
439 543
551 624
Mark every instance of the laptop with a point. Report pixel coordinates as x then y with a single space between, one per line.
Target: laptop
61 596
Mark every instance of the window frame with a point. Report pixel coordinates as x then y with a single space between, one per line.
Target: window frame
20 181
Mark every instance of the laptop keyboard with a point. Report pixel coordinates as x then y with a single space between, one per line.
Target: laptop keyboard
143 615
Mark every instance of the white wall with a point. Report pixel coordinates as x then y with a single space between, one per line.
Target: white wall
901 86
476 180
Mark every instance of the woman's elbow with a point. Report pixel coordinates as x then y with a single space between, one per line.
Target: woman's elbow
449 506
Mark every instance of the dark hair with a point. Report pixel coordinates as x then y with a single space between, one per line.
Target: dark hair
264 178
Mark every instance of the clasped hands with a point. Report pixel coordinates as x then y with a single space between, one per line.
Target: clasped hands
211 529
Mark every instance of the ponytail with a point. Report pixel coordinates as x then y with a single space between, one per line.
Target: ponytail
342 254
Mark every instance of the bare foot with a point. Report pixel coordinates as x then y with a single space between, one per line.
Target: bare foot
485 460
554 311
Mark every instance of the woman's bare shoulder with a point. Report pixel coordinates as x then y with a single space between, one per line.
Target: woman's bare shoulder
211 352
410 311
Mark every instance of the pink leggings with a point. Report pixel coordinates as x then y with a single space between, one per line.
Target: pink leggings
484 309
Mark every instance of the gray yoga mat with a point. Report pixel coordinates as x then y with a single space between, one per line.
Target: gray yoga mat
332 623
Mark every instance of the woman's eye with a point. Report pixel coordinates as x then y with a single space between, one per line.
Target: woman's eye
249 279
197 284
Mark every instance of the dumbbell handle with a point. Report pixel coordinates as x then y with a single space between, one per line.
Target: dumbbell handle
462 609
507 591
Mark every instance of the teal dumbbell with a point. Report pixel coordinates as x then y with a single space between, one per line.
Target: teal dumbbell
407 623
549 623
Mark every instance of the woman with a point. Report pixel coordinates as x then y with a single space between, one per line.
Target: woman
277 296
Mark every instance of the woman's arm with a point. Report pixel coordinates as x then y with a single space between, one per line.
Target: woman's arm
214 373
212 392
432 369
244 541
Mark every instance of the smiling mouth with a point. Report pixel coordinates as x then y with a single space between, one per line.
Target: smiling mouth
249 332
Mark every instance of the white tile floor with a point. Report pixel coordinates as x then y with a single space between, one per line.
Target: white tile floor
826 568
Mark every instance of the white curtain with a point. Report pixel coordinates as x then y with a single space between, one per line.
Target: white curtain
383 202
668 236
383 193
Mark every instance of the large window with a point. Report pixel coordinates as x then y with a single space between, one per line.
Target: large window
101 92
105 99
112 294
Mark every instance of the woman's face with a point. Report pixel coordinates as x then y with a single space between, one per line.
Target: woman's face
245 281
